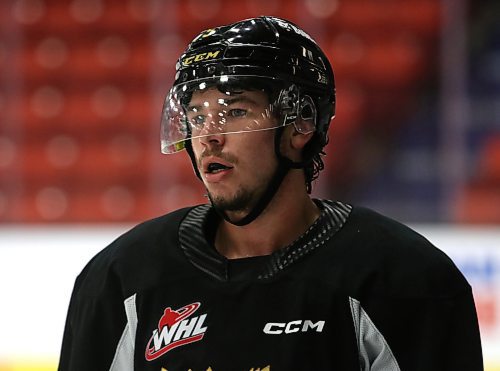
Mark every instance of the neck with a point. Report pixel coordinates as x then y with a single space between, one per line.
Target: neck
287 216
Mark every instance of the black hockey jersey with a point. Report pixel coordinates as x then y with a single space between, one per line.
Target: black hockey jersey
357 291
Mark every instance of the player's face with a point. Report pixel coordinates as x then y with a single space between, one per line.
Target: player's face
235 168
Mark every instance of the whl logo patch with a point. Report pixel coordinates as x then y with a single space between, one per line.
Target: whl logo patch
176 328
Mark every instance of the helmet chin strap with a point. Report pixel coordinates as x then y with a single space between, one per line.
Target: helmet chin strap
284 165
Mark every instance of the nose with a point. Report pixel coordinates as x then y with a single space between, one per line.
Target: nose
212 139
212 132
212 135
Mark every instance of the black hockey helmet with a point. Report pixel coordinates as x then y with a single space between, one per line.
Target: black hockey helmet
268 52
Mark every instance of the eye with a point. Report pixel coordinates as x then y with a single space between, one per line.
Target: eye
197 120
237 112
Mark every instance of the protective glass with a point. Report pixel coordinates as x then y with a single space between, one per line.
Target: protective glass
224 105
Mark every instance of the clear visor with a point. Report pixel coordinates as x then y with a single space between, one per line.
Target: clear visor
220 106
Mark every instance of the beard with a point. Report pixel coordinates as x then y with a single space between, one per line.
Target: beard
241 202
244 199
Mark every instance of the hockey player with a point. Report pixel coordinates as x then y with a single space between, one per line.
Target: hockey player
264 277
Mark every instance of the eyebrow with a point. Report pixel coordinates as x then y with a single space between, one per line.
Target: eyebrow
228 102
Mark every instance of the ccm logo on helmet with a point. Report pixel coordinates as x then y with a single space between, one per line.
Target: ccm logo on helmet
277 328
200 57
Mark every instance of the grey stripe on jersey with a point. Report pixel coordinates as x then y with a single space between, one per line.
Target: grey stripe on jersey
124 355
374 352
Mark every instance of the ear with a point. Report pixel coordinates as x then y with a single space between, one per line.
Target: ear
293 143
302 130
298 140
304 124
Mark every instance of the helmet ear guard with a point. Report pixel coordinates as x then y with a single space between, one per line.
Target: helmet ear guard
297 110
307 116
288 102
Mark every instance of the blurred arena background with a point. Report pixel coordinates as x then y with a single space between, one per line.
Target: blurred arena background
82 82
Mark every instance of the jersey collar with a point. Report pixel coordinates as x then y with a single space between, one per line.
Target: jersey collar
201 253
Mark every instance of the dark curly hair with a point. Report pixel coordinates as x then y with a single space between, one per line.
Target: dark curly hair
314 150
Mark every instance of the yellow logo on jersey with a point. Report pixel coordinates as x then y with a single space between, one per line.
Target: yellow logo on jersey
200 57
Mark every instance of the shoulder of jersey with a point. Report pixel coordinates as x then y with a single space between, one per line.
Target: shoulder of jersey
395 257
139 256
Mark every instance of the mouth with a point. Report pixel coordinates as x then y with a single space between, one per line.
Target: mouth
216 167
